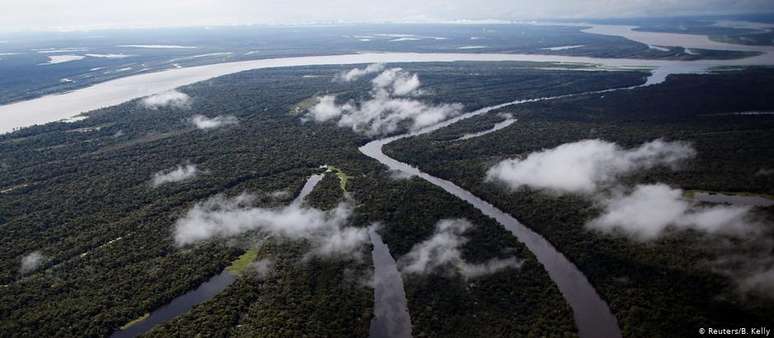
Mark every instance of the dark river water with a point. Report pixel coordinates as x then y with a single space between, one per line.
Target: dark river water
179 305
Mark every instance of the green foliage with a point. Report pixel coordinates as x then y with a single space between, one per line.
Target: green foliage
240 264
327 194
342 176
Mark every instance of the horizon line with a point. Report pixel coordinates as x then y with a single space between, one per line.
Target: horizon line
333 23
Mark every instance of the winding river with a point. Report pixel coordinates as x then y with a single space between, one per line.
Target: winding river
592 315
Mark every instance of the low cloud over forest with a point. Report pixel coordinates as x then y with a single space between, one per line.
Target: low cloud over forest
392 105
220 217
177 174
586 166
172 99
443 251
648 212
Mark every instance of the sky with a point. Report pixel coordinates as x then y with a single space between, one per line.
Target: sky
59 15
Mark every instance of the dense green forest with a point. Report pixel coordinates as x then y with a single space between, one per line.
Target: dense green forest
81 194
668 287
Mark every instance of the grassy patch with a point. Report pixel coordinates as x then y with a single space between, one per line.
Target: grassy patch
303 106
241 263
343 177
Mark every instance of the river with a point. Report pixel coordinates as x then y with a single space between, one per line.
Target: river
65 105
391 315
203 292
690 41
592 315
307 189
179 305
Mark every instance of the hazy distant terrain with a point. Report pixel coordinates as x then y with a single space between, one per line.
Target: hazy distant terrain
28 73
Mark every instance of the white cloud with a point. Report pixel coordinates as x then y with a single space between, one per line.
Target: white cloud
764 172
384 115
747 261
341 242
204 123
760 282
585 166
31 262
386 111
178 174
397 82
489 267
442 251
55 59
505 116
739 241
262 267
279 194
172 98
357 73
221 217
326 109
398 175
649 210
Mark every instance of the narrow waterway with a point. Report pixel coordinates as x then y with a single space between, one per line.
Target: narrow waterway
179 305
592 315
308 187
391 315
203 292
